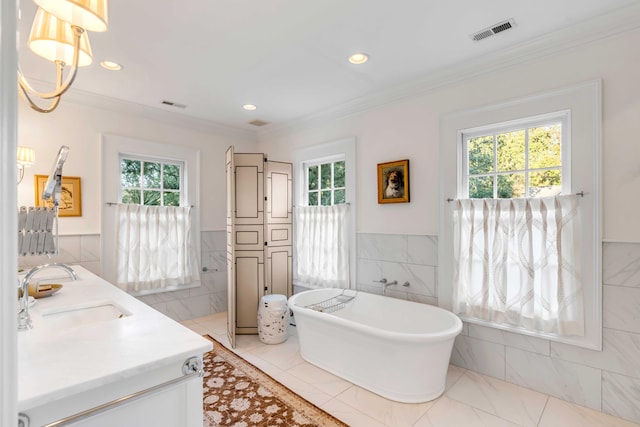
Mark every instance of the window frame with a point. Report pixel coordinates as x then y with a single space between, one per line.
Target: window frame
163 161
584 101
331 160
563 117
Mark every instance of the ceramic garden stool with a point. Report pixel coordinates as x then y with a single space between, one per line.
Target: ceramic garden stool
273 319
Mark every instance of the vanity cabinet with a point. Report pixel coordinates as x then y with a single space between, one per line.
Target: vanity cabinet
259 235
76 361
179 405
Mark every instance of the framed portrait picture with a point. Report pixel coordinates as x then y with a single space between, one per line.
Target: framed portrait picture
70 198
393 182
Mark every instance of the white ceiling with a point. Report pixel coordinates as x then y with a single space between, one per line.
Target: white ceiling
289 57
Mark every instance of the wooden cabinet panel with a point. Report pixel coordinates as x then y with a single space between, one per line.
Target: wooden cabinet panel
249 188
279 270
231 257
279 204
249 289
249 237
279 235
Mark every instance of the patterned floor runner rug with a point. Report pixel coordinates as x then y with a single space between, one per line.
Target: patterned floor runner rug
236 393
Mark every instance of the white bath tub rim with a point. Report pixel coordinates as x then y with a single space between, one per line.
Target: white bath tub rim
451 330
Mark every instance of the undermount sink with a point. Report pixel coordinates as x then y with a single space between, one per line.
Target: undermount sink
78 316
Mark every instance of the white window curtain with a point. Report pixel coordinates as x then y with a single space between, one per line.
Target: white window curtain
322 246
154 248
517 263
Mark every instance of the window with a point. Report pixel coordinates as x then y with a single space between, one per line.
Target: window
325 178
144 176
516 262
325 182
523 159
150 182
497 159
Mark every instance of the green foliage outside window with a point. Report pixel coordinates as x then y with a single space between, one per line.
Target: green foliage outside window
171 177
507 160
151 175
150 183
326 184
130 173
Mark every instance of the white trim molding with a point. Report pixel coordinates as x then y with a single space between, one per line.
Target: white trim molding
8 215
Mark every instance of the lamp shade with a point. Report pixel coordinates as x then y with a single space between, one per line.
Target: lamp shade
92 15
53 39
26 156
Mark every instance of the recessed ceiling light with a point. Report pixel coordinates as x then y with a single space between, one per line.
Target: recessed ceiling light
110 65
249 107
358 58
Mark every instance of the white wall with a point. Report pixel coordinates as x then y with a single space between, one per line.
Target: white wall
391 242
410 129
80 127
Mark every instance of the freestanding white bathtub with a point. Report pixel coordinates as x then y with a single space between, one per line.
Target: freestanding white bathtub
395 348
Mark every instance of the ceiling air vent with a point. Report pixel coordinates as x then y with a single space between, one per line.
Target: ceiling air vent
258 123
494 29
173 104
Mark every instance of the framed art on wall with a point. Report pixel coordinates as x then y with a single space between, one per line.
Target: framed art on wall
393 182
70 197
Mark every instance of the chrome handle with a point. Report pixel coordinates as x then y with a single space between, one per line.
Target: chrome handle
406 284
191 368
383 280
23 420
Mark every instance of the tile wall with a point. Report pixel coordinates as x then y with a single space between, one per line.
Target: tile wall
405 258
607 380
74 249
209 298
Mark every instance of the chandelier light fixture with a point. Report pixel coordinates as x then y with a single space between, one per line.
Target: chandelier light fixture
59 34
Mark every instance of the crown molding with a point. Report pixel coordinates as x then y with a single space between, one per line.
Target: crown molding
84 98
608 25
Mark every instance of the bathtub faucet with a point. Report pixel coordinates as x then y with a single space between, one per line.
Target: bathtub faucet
385 283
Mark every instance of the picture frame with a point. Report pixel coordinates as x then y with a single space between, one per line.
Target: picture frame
393 182
70 199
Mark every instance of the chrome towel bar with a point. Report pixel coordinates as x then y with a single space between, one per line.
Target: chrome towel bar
191 368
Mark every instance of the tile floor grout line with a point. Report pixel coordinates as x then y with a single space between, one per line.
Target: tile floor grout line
543 409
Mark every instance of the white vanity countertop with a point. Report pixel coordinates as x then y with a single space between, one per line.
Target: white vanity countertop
54 362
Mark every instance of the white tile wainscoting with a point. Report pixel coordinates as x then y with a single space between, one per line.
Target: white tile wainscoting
209 298
82 249
607 380
405 258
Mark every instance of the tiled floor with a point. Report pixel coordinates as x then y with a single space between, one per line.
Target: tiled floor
470 399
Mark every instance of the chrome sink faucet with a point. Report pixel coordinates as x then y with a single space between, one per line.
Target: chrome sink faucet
24 319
